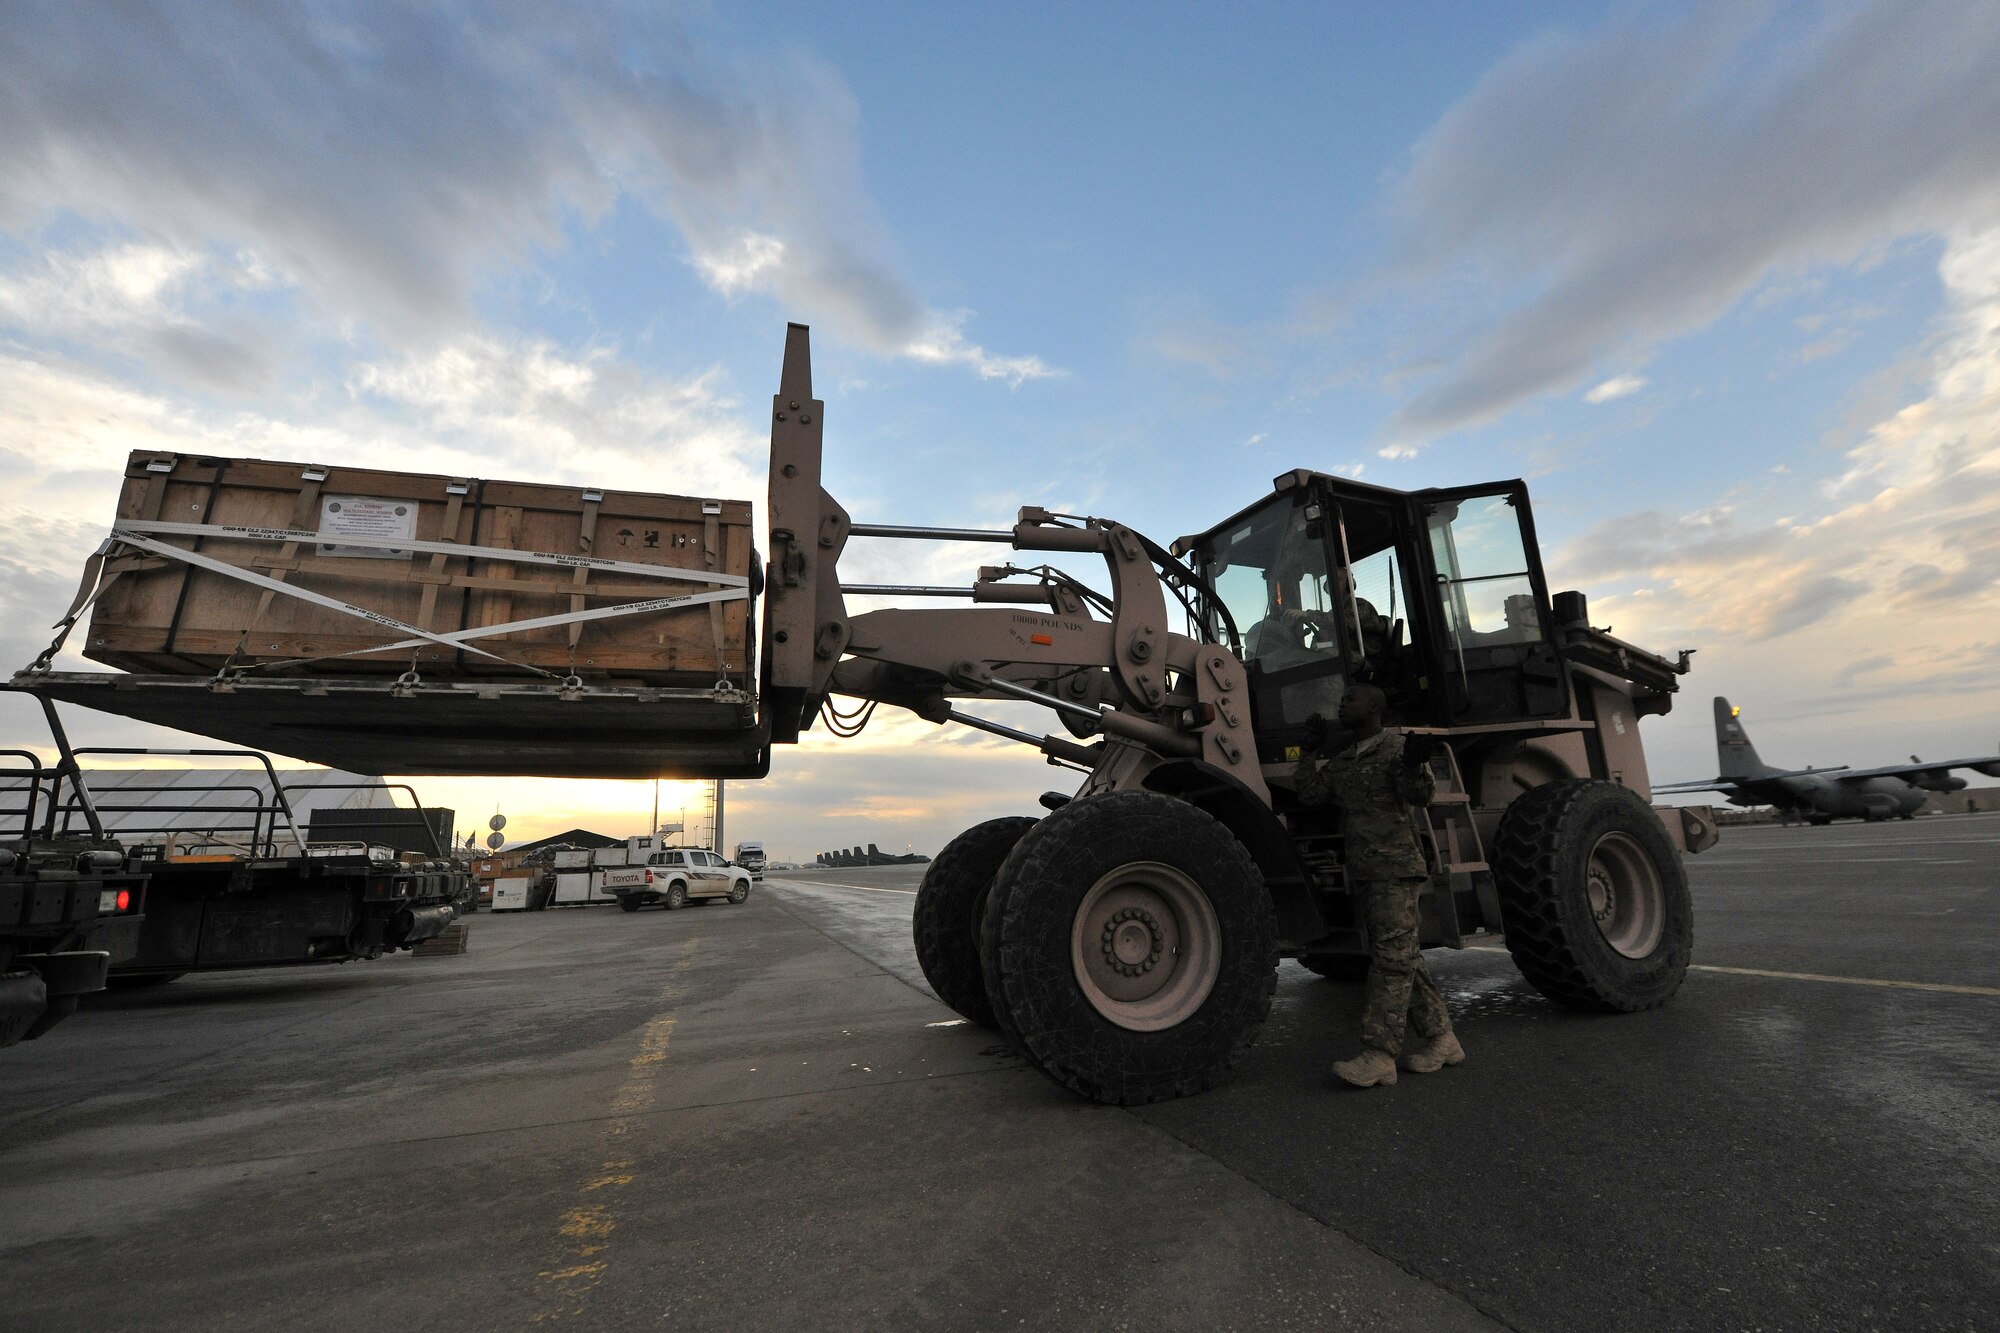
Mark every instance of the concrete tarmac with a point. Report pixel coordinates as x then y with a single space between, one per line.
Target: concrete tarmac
719 1117
1808 1136
757 1116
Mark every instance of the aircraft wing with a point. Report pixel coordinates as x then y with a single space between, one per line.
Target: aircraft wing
1713 784
1748 784
1989 765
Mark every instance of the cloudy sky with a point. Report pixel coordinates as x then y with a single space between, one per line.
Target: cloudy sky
1723 281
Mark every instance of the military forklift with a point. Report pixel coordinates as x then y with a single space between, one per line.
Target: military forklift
1128 939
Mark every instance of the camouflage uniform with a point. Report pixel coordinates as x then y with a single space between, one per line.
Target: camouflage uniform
1386 873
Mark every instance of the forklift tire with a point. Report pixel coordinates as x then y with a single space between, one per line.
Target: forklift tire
1350 969
950 902
628 904
1129 947
677 897
1593 897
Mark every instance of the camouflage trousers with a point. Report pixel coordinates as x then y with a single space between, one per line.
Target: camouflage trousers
1400 990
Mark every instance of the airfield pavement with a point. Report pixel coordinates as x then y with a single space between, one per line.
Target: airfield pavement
757 1116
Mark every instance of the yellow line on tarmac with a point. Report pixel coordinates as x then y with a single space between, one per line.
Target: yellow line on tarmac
586 1229
1849 981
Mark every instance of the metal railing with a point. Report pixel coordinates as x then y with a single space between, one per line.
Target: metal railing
50 802
263 811
35 777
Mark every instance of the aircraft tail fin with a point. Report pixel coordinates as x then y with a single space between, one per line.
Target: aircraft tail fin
1735 756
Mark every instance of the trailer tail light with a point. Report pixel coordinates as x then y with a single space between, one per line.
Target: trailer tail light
114 900
378 886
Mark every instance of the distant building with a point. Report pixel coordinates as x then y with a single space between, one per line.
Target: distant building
581 838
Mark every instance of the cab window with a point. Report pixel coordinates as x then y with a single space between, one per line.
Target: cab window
1484 583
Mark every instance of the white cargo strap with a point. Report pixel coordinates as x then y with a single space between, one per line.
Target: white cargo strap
461 636
87 592
129 534
199 561
241 533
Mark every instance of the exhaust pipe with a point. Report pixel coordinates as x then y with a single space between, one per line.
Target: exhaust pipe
45 989
413 925
23 997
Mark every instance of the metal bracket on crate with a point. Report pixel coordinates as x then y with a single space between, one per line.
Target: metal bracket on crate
226 678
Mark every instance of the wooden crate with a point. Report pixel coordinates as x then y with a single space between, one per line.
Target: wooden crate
158 613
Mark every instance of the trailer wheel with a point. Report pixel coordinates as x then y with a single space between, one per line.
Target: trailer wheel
1593 897
1129 947
950 902
677 896
1346 968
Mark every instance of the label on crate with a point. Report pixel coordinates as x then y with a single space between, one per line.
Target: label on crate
361 516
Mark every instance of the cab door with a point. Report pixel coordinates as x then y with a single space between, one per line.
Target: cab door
1274 569
1492 654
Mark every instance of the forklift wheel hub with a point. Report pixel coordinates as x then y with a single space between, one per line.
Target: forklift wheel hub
1627 902
1146 946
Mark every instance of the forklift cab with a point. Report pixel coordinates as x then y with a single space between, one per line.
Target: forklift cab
1437 596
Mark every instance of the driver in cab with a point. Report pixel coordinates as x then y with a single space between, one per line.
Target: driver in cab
1280 639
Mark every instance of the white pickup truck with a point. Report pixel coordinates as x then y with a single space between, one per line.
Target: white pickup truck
675 877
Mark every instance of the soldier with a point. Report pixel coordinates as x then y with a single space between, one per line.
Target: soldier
1376 781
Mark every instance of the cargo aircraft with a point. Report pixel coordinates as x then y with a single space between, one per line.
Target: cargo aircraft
1823 795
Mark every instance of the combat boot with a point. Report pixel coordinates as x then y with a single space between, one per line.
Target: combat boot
1430 1056
1368 1069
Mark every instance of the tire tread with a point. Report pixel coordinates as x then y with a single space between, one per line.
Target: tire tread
945 923
1536 834
1017 977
